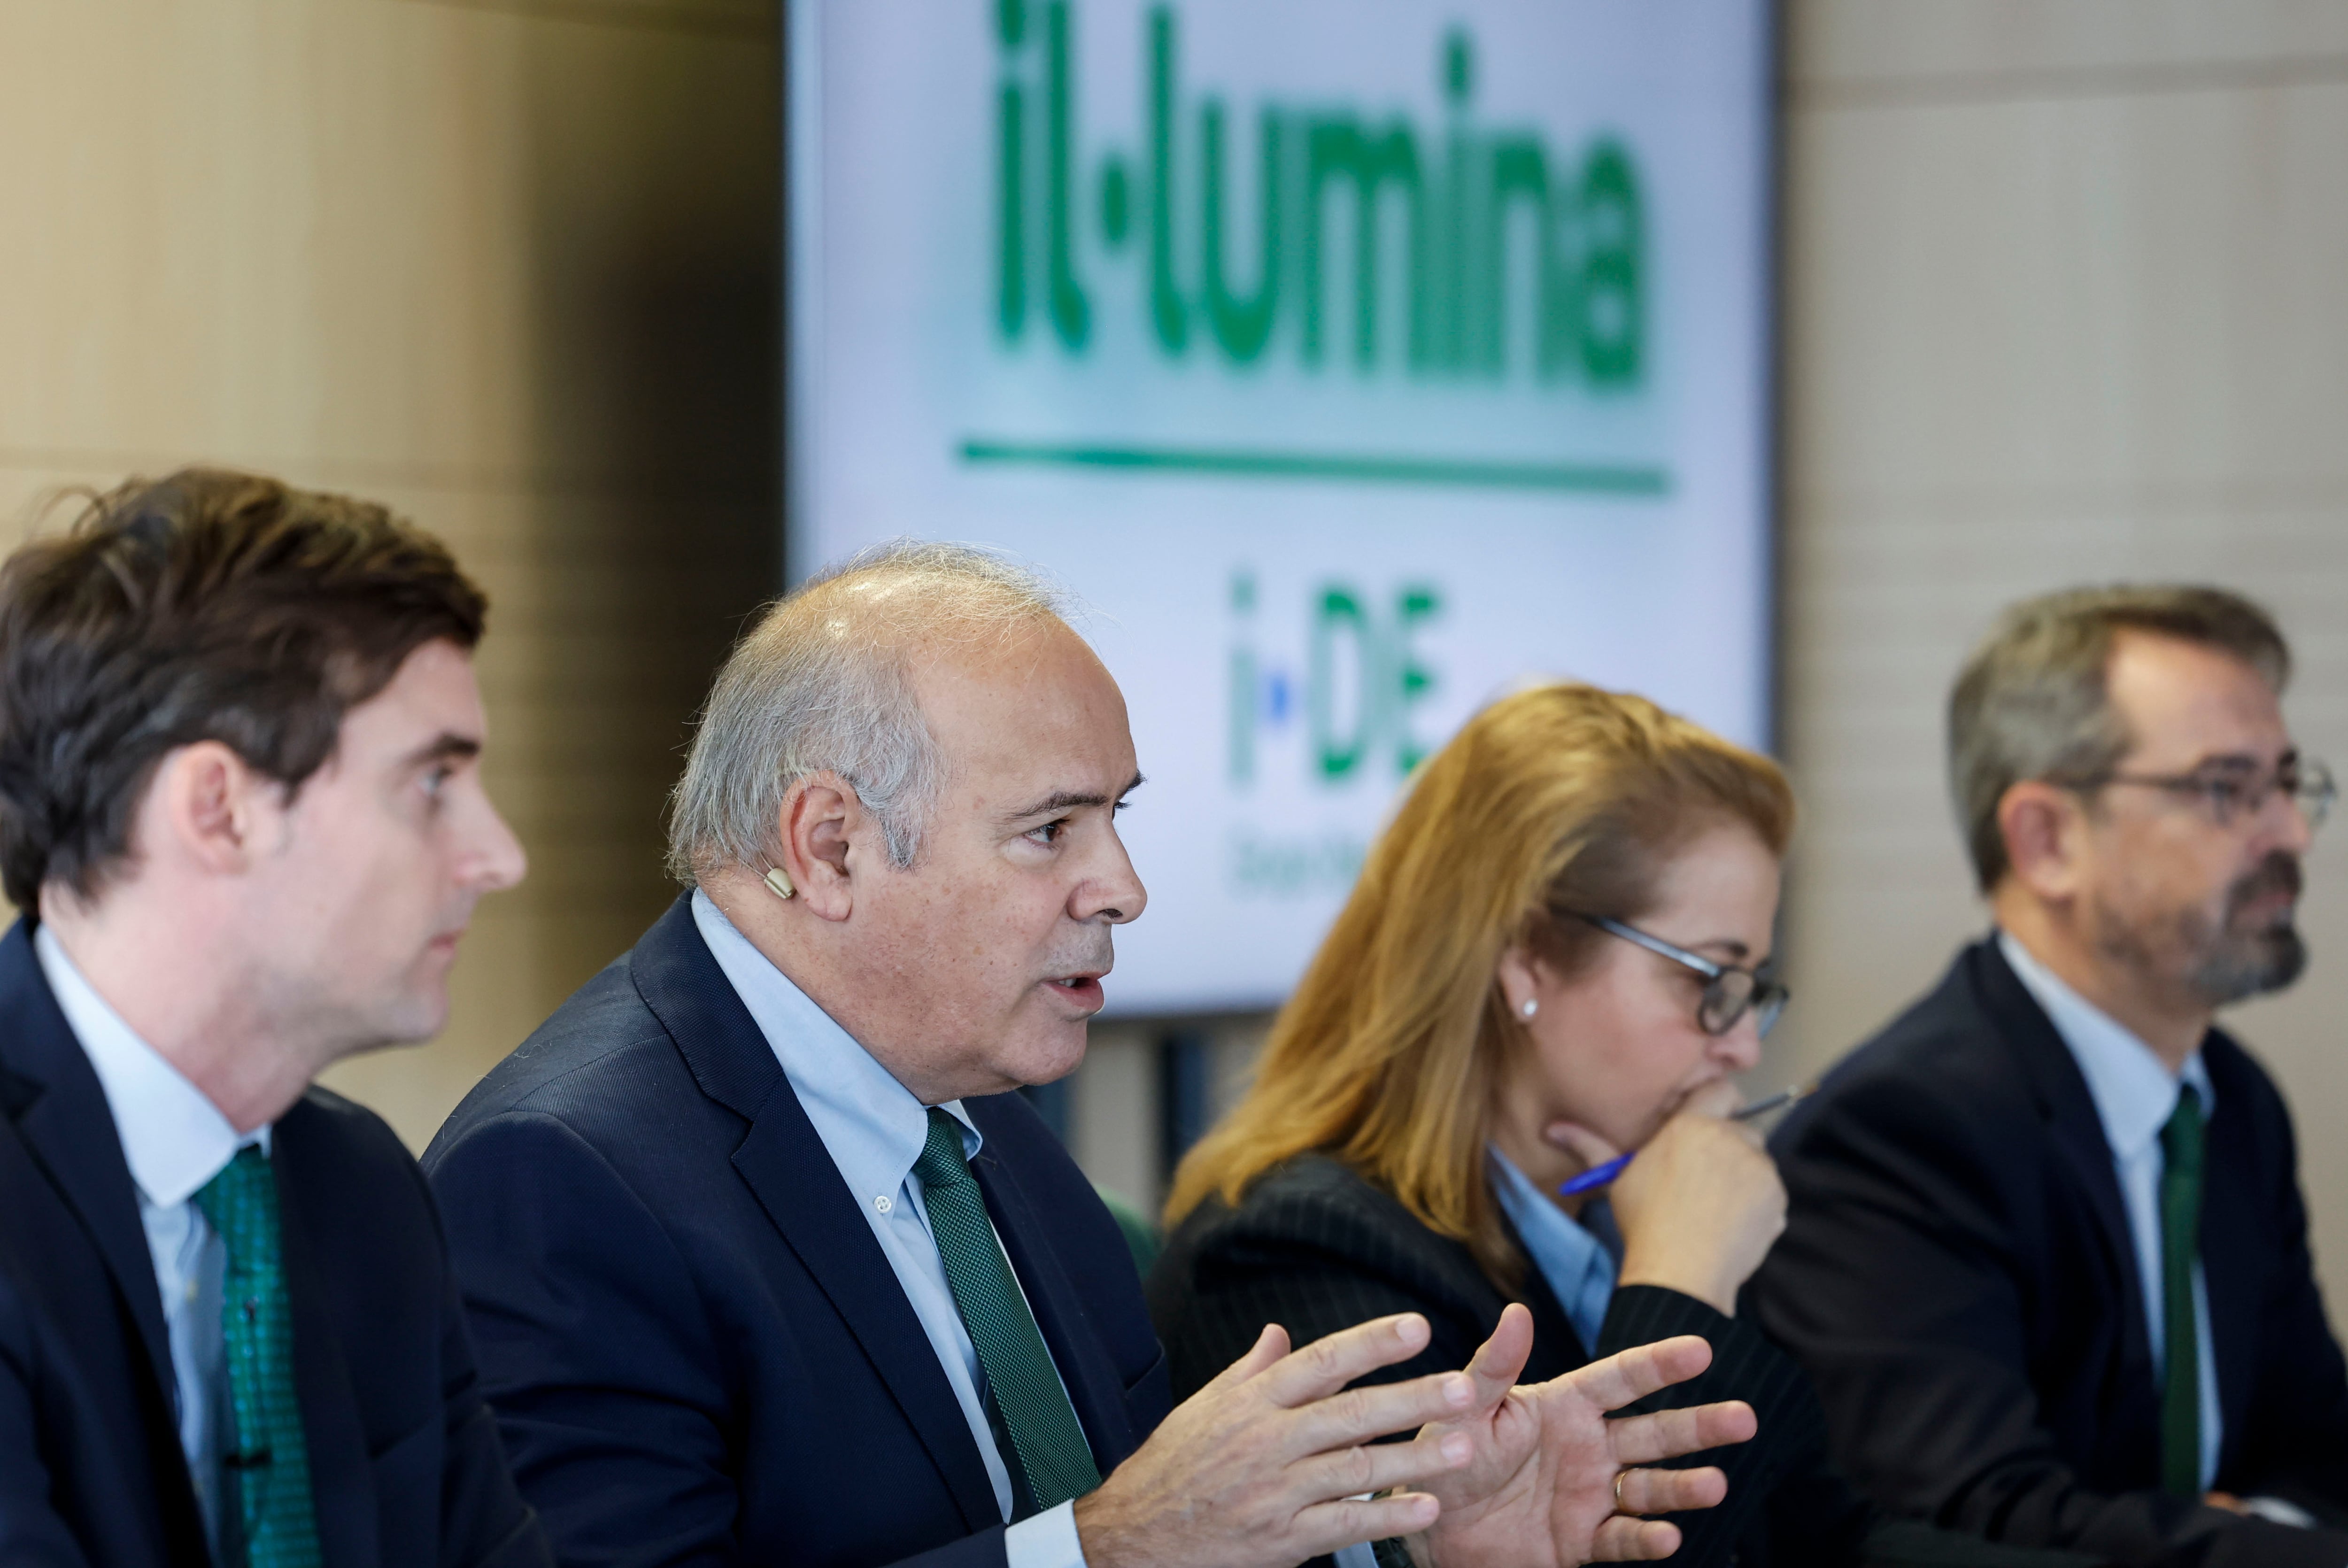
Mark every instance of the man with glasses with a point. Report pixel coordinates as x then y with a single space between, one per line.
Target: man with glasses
2046 1256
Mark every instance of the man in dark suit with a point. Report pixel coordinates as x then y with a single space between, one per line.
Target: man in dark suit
766 1261
239 800
2045 1255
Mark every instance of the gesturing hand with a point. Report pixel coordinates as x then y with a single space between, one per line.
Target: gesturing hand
1540 1490
1254 1471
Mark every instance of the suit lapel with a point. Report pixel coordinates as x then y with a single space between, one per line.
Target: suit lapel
2076 1129
1091 1379
70 1131
342 1477
792 1175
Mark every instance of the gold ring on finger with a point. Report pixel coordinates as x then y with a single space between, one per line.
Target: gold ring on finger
1619 1476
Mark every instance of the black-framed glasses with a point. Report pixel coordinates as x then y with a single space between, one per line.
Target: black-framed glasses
2233 792
1729 992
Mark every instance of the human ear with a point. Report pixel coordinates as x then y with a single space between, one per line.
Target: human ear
2042 824
819 818
1521 978
208 804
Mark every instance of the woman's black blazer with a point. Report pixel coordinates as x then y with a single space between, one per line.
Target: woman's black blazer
1315 1248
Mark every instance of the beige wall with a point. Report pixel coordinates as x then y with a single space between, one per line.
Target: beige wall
508 266
2066 292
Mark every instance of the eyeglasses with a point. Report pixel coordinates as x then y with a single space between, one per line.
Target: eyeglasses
2238 792
1728 992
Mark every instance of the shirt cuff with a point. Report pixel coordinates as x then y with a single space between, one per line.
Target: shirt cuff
1048 1540
1360 1554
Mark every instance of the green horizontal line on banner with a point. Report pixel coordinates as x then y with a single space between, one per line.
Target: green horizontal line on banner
1602 478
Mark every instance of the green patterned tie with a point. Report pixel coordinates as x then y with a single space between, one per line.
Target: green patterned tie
1055 1461
2180 1244
271 1465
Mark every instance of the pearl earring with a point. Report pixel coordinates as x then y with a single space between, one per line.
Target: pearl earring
1531 1007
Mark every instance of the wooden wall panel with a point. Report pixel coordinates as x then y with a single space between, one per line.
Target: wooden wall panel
508 267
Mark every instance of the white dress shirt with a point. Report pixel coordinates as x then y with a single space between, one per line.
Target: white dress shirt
874 1129
175 1141
2135 1095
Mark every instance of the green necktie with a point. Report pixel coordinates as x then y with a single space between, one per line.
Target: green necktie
271 1465
2180 1244
1054 1461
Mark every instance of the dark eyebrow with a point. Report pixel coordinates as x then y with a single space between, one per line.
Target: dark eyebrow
447 746
1068 800
2241 761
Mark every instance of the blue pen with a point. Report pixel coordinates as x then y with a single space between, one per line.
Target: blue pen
1597 1176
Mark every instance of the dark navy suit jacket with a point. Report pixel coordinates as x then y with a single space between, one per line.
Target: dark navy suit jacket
698 1351
404 1458
1958 1277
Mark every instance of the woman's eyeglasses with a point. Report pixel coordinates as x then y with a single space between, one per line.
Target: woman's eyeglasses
1729 992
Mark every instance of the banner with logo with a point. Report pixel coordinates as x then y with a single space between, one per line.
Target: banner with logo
1350 360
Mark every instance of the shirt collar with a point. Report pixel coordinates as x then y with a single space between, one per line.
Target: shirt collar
173 1138
2134 1091
872 1125
1563 1250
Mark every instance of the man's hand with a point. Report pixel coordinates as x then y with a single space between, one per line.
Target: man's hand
1540 1491
1254 1469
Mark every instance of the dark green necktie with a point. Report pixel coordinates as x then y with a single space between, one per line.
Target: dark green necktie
267 1478
1054 1459
2180 1244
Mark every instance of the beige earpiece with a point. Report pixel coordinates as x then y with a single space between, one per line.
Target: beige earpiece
779 884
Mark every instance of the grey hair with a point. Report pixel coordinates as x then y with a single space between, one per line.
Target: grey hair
2031 702
821 685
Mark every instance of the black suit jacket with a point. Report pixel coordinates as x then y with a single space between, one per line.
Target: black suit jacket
404 1458
1314 1247
698 1351
1958 1277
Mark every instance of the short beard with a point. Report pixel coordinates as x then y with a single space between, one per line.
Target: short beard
2221 960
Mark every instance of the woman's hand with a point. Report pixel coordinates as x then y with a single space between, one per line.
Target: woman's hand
1700 1206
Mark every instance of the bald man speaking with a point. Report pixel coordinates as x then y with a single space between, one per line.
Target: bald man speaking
769 1265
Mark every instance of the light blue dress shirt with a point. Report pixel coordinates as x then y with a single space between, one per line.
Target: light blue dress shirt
174 1140
2135 1095
1575 1265
874 1128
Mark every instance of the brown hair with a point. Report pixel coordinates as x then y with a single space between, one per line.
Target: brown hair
206 605
1560 797
2031 702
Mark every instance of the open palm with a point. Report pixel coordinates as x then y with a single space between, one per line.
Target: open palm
1540 1491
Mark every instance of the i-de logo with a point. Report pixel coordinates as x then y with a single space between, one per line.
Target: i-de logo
1350 700
1463 190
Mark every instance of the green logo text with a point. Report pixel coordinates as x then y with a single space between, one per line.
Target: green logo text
1442 213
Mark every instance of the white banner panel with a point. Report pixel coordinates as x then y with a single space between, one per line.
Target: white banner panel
1351 359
